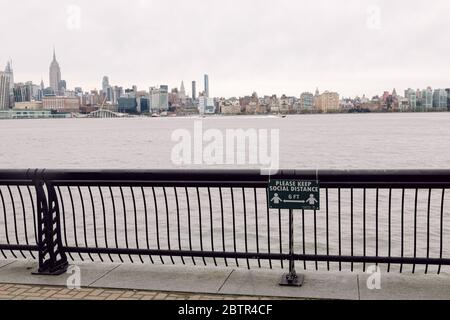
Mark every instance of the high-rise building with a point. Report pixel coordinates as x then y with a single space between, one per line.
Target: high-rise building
159 99
182 92
23 92
306 101
10 73
4 91
206 86
194 90
106 89
411 96
426 99
327 102
206 105
440 99
55 75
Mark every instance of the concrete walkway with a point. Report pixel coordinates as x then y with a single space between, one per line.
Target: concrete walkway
210 282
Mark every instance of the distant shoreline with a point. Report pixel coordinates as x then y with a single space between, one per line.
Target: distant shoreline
218 116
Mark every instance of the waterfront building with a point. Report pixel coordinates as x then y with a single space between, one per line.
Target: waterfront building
206 86
182 93
440 99
411 96
55 75
159 99
106 89
4 91
229 106
128 105
448 98
61 104
426 99
306 101
194 90
23 92
327 102
206 105
286 104
28 105
10 73
26 114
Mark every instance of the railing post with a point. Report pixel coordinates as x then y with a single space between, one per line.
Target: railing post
52 258
291 279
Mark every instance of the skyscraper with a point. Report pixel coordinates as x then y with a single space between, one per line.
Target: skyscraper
206 85
194 90
55 75
9 72
106 89
182 91
4 91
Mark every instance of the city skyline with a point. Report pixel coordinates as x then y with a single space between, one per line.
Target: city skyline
361 47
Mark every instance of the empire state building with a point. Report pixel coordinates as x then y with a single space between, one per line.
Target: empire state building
55 75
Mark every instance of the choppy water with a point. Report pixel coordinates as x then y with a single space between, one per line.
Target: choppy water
369 141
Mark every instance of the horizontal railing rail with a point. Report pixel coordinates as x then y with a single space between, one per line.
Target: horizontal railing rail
398 219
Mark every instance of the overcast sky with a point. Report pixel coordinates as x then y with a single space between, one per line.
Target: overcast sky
269 46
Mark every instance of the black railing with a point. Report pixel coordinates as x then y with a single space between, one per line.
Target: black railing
399 220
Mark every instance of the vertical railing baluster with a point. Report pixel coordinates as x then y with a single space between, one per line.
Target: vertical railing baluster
25 228
327 217
390 229
158 243
245 225
178 223
125 221
105 234
168 223
200 223
415 228
83 211
234 225
189 223
364 226
257 225
135 222
63 213
377 224
113 202
147 240
269 250
6 224
428 228
303 238
280 234
94 222
441 247
352 252
402 236
223 224
212 224
339 227
74 221
16 234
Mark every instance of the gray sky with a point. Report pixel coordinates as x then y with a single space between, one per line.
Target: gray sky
268 46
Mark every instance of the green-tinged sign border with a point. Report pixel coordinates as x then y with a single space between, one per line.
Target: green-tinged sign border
293 194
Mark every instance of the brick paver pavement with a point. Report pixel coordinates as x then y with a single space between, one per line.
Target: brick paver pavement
32 292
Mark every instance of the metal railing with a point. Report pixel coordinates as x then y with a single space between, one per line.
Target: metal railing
396 219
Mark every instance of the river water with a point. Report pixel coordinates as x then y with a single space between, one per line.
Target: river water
366 141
